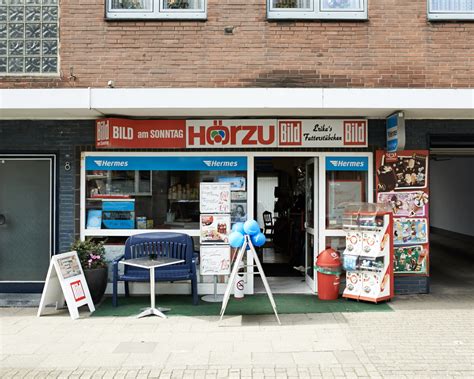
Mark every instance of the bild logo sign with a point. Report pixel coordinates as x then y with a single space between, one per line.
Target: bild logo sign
289 133
355 133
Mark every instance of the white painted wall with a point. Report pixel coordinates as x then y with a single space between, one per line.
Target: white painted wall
452 194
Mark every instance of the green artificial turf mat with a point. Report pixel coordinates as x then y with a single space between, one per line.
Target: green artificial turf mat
251 305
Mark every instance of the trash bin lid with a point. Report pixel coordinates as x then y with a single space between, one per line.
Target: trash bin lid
328 258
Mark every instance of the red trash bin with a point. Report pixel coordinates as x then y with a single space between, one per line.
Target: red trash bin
328 266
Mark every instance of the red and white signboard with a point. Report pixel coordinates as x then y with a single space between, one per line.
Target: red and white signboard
112 133
231 133
227 134
322 133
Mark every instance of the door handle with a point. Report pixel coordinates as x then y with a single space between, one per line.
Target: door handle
3 220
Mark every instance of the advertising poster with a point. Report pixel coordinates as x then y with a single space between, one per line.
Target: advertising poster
239 212
69 266
407 231
405 204
214 197
214 260
215 228
410 259
402 183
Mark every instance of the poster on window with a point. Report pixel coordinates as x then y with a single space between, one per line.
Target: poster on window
214 228
238 212
214 197
341 192
214 260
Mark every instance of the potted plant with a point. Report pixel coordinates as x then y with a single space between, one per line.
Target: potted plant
92 257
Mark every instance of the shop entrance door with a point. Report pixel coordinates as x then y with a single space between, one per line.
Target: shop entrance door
26 221
311 221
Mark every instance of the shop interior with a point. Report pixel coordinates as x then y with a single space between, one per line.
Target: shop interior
280 190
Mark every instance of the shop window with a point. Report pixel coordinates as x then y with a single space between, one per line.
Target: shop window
155 199
451 10
343 187
317 9
29 37
156 9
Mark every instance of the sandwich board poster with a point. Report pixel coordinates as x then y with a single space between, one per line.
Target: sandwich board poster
214 260
214 197
65 282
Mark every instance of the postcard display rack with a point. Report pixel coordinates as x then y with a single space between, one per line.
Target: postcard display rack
368 257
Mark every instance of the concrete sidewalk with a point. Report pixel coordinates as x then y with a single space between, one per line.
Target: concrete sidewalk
425 336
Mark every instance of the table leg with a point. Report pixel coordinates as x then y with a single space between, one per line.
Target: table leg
152 310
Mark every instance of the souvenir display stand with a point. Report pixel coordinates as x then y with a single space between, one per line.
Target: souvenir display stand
368 257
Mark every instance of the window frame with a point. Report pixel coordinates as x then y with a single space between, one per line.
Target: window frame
157 12
447 15
317 13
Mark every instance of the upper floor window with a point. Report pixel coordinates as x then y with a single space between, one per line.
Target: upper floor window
317 9
451 10
152 9
29 37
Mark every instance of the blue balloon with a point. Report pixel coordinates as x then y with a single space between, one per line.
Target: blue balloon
251 227
258 239
236 239
238 227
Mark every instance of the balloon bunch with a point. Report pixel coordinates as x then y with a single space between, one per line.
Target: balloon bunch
250 227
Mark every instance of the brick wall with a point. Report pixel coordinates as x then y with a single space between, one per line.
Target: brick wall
396 47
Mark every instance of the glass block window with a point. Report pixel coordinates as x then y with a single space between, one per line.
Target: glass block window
451 9
156 9
29 36
317 9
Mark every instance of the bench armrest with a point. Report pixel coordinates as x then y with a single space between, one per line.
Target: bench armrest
117 260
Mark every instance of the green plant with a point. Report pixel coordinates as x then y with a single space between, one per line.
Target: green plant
91 254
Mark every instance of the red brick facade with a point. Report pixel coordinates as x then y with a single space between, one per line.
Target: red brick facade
396 47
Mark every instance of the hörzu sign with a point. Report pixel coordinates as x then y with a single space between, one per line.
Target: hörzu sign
233 133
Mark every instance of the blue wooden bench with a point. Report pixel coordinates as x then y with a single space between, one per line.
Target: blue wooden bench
163 244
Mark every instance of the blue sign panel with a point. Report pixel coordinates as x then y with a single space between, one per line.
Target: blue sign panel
395 132
167 163
347 163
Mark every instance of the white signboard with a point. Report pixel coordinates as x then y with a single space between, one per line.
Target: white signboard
65 281
214 198
214 260
294 133
215 228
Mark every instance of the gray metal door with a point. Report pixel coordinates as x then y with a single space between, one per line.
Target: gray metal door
26 217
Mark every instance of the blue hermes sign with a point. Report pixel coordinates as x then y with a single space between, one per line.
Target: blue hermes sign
395 132
347 163
166 163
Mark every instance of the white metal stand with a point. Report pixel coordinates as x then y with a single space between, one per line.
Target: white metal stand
235 269
152 311
215 298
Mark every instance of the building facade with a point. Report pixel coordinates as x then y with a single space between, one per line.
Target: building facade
64 66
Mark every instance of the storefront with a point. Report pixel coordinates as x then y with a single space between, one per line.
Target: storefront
124 193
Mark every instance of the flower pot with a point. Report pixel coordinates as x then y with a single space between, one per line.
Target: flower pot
96 279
